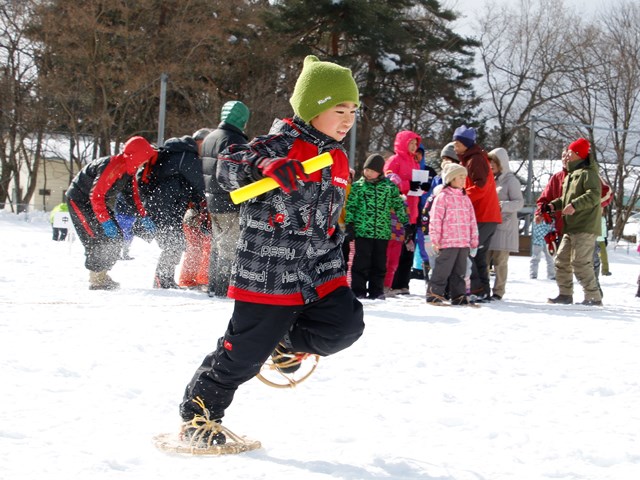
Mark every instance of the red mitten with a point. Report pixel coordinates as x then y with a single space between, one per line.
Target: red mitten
552 242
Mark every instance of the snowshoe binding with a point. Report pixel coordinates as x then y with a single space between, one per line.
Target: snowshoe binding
286 368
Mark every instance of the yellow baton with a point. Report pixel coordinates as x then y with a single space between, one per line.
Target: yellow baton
267 184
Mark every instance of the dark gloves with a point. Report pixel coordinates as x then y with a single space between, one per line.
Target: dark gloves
284 171
424 186
409 233
414 186
110 228
349 232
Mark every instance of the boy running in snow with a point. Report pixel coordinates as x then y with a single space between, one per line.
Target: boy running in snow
288 281
454 233
368 220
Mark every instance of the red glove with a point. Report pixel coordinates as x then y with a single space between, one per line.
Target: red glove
552 241
285 171
547 217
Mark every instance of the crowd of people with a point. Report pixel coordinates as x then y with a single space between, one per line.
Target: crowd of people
284 255
392 218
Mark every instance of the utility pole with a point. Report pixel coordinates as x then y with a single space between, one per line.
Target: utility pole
163 107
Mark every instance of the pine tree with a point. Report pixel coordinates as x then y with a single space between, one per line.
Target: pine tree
413 71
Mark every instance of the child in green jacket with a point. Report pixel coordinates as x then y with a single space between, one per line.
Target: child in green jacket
368 219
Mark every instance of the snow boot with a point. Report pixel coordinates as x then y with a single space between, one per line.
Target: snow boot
461 300
164 281
561 300
285 359
102 281
592 302
202 431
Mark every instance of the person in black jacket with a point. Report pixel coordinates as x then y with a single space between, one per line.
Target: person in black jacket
92 197
225 223
168 186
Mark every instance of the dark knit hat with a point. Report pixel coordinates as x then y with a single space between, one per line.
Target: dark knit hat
321 86
449 152
466 136
375 162
235 113
581 147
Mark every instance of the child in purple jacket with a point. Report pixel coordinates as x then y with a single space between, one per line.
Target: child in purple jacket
454 233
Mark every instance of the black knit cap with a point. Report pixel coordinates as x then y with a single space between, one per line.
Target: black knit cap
375 162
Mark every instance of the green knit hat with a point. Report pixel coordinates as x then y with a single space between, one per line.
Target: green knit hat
235 113
321 86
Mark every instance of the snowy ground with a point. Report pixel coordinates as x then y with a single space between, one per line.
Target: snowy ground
514 390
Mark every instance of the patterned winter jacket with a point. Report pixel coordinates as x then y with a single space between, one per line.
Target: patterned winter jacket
452 222
369 208
289 251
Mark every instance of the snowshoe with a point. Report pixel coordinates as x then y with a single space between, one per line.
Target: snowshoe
204 436
285 368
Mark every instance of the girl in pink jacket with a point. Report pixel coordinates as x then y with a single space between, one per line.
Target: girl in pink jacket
454 233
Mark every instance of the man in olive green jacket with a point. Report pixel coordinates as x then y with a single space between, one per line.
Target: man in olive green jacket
581 213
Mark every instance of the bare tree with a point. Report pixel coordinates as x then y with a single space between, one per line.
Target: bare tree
526 50
604 104
20 106
620 107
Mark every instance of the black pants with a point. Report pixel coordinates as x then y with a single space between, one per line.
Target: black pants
403 273
480 281
369 266
101 252
59 234
323 327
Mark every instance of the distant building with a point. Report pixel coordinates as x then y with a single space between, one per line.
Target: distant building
54 170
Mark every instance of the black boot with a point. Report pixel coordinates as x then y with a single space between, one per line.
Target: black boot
285 359
426 268
561 300
163 280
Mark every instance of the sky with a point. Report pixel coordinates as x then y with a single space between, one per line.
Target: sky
517 389
471 8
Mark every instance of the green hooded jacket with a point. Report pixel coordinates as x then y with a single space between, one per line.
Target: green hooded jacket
369 208
582 189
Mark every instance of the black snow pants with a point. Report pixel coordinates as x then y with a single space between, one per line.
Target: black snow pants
101 252
324 327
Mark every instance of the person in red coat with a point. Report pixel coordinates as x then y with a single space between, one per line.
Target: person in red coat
552 191
92 197
481 188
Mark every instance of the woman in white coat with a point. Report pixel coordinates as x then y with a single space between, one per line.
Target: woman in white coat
506 238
